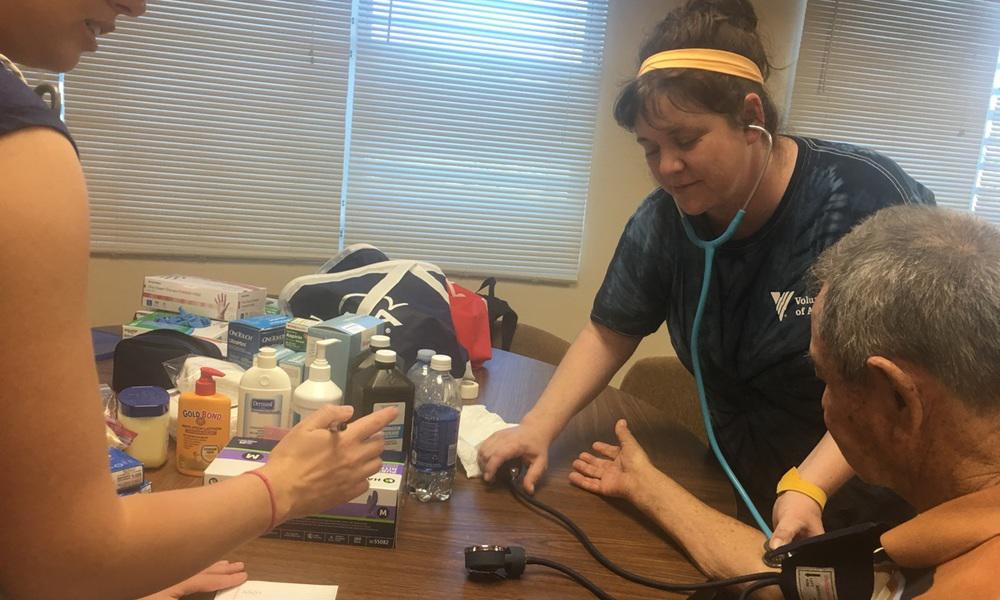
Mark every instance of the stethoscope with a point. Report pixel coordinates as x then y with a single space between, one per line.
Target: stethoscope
710 246
54 97
43 90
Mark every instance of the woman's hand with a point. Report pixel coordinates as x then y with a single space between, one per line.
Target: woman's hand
619 471
220 576
313 468
795 516
527 441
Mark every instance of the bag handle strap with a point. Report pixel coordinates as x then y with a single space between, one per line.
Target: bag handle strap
491 283
508 319
380 289
508 325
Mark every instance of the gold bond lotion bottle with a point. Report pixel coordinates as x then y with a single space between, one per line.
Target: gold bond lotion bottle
202 424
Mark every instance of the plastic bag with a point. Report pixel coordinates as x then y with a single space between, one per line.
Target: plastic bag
185 371
116 434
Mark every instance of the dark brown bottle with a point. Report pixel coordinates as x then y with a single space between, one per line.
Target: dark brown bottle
382 385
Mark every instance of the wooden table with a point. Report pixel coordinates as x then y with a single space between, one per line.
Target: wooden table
428 561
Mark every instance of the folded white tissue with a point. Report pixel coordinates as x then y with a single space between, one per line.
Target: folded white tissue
476 425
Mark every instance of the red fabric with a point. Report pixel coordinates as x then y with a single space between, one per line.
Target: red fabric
472 323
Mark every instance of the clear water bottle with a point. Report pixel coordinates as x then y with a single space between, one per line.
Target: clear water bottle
421 368
437 409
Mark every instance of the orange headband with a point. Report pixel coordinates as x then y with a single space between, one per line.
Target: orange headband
719 61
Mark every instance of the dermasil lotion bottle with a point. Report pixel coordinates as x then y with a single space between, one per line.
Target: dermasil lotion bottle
265 396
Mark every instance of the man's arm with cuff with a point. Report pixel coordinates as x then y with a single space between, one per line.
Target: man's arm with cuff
719 545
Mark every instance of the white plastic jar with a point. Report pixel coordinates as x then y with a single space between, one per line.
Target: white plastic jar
144 410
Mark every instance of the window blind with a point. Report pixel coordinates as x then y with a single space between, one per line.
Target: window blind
215 128
911 79
986 199
472 130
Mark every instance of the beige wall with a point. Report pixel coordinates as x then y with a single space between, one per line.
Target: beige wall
618 183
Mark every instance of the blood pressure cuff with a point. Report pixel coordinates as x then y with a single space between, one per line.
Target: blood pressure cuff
837 565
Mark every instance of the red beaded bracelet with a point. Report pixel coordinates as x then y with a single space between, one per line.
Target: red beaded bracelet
270 494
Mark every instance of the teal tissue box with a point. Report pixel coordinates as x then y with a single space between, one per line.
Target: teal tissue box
353 334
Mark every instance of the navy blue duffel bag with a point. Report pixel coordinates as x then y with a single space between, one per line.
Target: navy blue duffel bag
410 296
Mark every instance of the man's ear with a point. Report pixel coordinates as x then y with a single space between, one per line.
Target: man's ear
894 385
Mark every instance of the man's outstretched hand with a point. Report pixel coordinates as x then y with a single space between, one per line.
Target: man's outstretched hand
617 471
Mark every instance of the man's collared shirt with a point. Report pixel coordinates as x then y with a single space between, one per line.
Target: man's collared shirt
949 552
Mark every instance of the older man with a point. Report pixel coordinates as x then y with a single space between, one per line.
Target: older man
906 335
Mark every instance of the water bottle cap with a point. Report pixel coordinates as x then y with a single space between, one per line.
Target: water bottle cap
385 357
469 390
425 355
441 362
380 341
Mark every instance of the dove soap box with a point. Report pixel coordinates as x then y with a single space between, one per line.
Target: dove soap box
370 519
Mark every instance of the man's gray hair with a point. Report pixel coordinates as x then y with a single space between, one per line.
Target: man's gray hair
920 284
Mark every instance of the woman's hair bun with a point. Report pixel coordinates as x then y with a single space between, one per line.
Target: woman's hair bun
738 13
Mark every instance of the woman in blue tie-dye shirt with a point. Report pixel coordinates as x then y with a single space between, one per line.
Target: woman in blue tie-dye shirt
763 393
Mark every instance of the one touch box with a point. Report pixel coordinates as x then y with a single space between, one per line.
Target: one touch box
248 336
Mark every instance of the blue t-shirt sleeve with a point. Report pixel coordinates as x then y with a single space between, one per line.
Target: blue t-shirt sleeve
884 183
857 182
633 298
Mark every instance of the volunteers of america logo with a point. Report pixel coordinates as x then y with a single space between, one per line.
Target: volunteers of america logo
782 300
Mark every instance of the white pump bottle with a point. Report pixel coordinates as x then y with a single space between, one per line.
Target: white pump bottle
317 391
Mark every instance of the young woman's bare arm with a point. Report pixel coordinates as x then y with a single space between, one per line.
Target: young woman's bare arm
63 530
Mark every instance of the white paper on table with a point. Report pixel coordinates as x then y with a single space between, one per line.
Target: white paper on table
273 590
476 425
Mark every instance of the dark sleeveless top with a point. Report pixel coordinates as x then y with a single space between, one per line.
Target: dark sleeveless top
20 108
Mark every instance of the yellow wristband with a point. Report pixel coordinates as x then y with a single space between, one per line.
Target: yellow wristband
792 482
